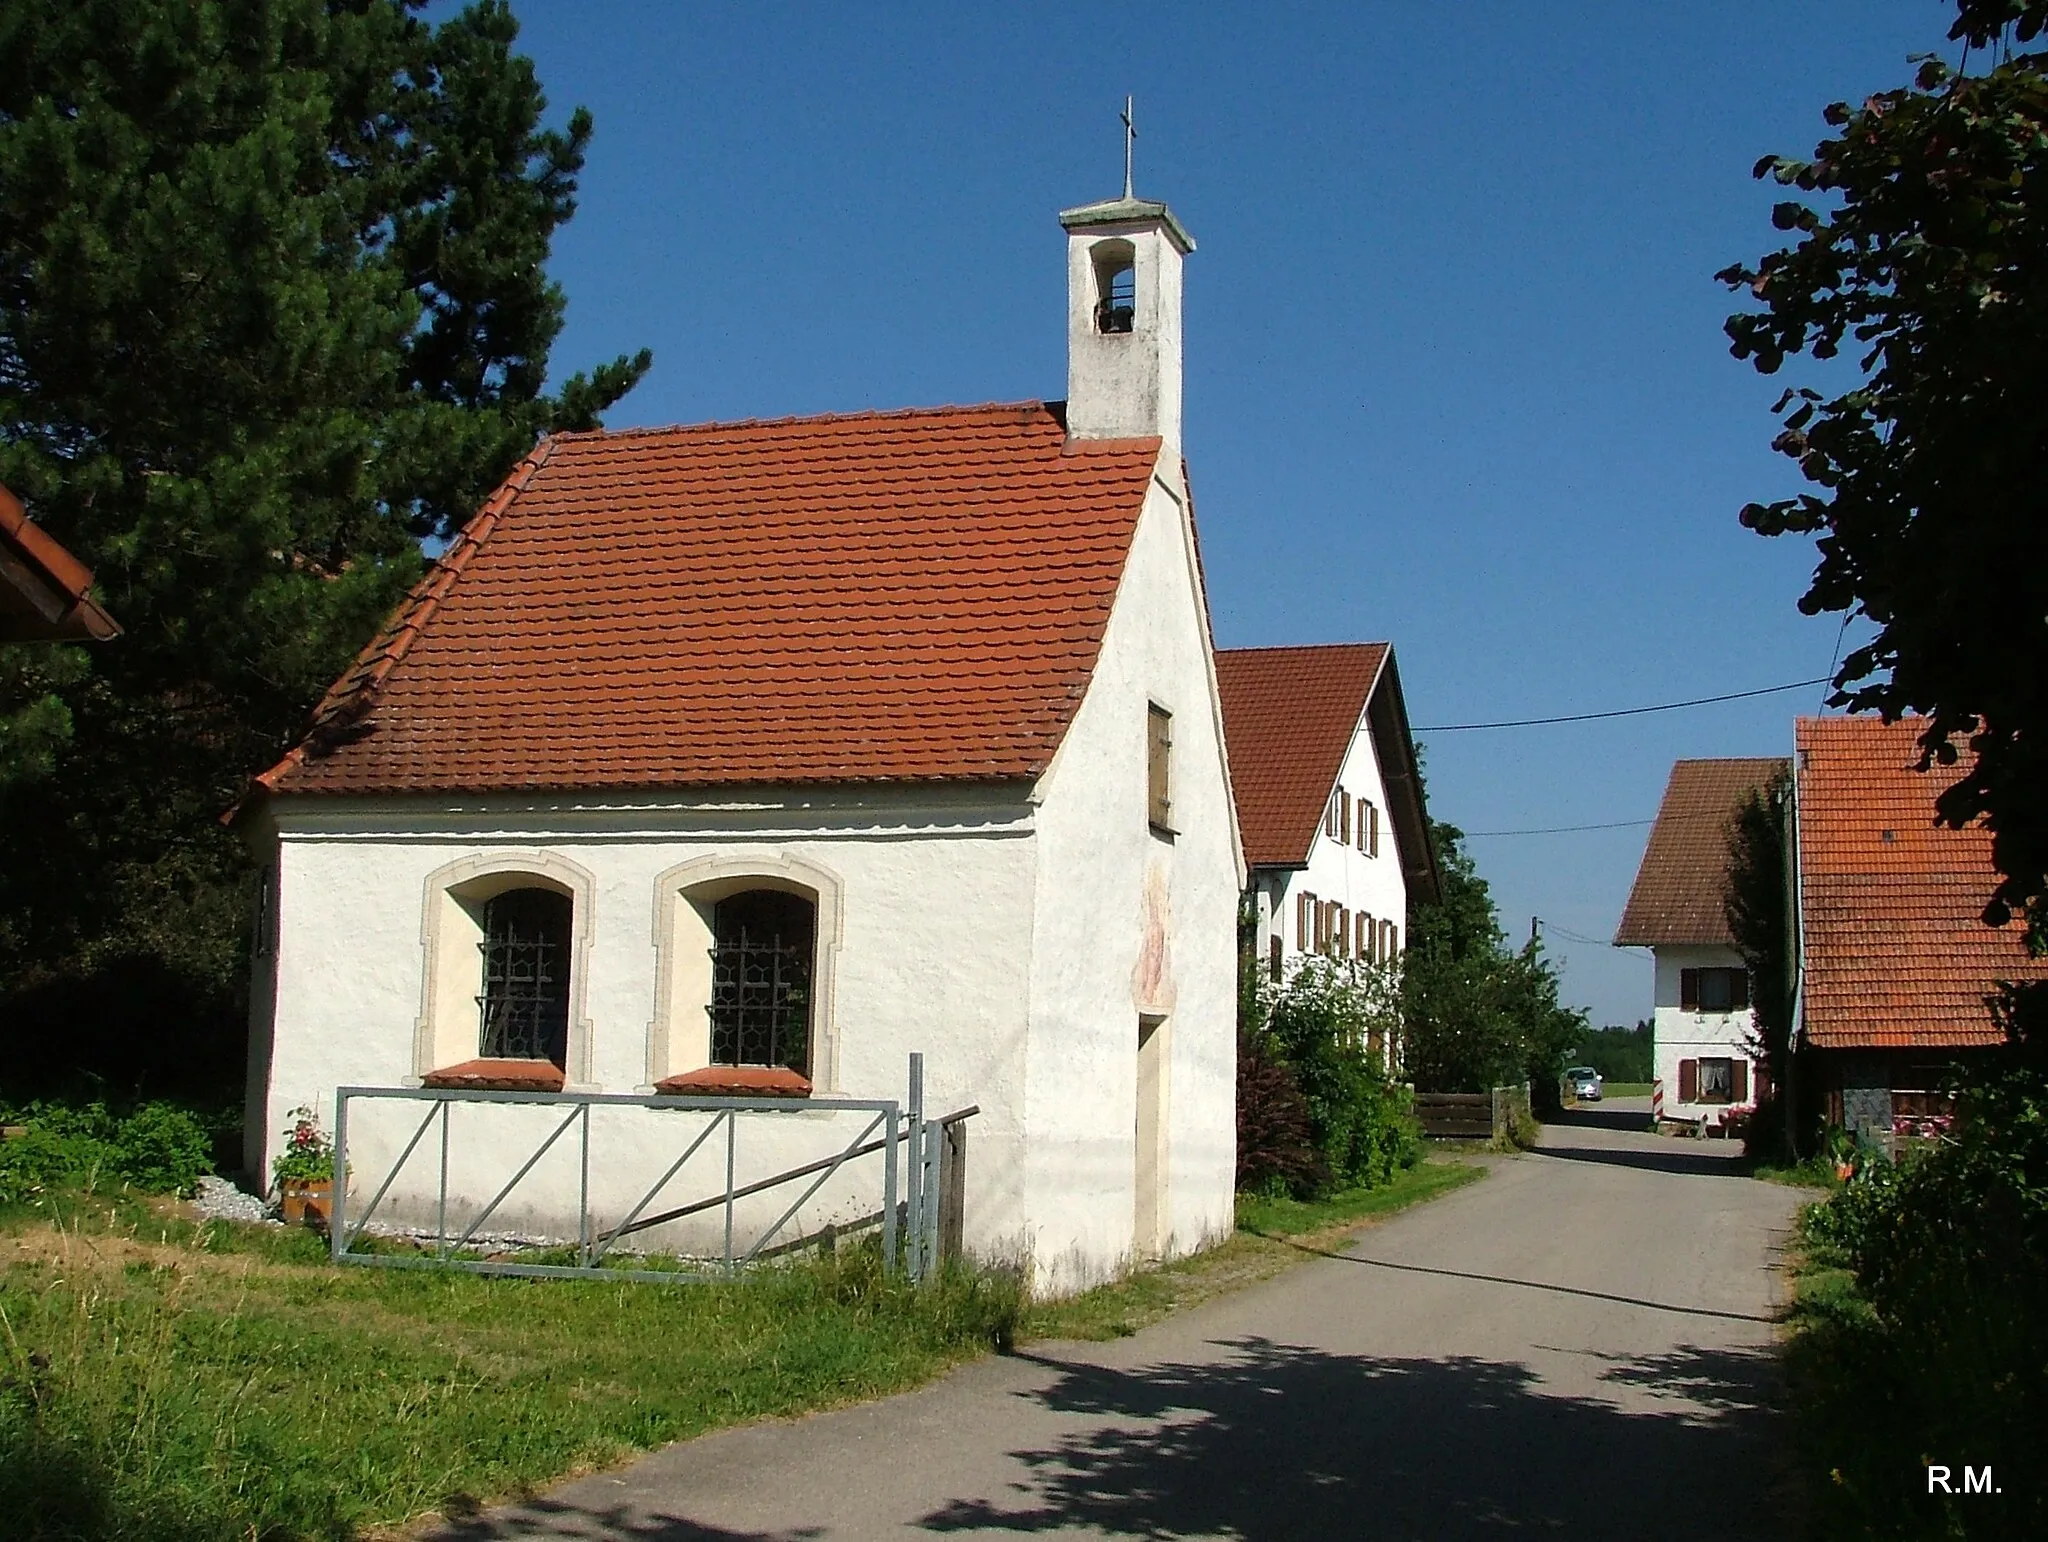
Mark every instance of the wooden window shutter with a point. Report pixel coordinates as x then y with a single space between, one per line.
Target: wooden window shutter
1393 940
1273 947
1688 989
1738 1082
1344 816
1343 933
1688 1080
1158 767
1375 848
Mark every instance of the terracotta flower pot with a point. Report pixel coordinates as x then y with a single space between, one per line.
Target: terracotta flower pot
308 1202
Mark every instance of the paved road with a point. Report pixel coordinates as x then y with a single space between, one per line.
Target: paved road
1577 1346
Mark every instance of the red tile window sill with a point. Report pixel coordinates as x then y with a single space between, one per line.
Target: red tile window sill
737 1081
498 1076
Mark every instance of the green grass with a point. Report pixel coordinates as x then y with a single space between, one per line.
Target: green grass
163 1380
1272 1235
1625 1089
227 1386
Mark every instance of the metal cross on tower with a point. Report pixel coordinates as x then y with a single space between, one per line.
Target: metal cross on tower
1130 134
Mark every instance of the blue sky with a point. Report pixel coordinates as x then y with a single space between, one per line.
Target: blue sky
1455 374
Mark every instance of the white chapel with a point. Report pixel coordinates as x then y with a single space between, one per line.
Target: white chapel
751 757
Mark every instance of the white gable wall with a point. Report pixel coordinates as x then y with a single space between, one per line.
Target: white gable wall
1338 870
1129 924
1680 1034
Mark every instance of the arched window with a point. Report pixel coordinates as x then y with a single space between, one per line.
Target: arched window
1116 285
523 1006
762 958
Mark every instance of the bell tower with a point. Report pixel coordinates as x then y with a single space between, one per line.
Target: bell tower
1123 315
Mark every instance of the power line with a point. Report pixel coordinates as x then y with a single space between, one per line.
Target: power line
1619 824
1588 717
1592 942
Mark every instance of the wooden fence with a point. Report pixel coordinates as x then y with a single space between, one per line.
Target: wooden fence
1469 1115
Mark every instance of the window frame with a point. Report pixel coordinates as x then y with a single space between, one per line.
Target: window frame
1159 769
679 1031
447 1031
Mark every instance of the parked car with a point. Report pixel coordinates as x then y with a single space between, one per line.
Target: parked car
1583 1082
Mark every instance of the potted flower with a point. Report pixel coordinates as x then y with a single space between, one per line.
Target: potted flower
304 1171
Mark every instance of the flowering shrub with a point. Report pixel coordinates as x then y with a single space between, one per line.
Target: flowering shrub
308 1153
1324 1028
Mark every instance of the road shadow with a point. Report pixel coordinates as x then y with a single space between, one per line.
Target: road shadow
554 1518
1720 1159
1593 1117
1280 1442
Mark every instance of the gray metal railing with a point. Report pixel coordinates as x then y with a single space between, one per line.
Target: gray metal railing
910 1226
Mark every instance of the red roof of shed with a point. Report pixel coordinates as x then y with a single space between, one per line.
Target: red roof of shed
1895 953
908 595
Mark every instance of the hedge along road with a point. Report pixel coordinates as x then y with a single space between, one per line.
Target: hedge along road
1580 1345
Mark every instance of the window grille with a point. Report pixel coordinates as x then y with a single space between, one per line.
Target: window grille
1118 309
761 981
524 1008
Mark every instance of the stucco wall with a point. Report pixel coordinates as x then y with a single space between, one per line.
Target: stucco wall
933 950
1678 1034
1130 924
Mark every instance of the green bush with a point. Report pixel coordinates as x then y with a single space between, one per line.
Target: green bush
1323 1027
1948 1348
158 1149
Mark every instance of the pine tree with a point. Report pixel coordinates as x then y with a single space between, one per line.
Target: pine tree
273 309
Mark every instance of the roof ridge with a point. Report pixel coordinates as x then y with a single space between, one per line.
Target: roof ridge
355 692
1309 647
863 415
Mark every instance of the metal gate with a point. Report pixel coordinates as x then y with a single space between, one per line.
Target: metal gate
908 1220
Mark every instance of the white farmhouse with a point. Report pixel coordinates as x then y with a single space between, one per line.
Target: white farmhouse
754 756
1706 1073
1323 767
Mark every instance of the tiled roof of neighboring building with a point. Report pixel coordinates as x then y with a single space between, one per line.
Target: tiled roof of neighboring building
883 596
1681 887
1896 955
45 592
1289 715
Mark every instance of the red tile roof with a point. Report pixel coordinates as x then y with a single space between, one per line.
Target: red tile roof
1679 892
1895 952
883 596
45 592
1289 716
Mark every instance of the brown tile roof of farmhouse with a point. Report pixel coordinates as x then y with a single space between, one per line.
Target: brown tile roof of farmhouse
1896 955
882 596
1288 717
1678 893
45 592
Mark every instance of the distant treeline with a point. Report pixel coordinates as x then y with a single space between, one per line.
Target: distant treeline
1618 1054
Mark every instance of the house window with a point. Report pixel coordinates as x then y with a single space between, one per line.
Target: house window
1390 942
1158 768
1717 1081
524 1005
1713 990
1365 938
761 980
1304 912
1330 818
